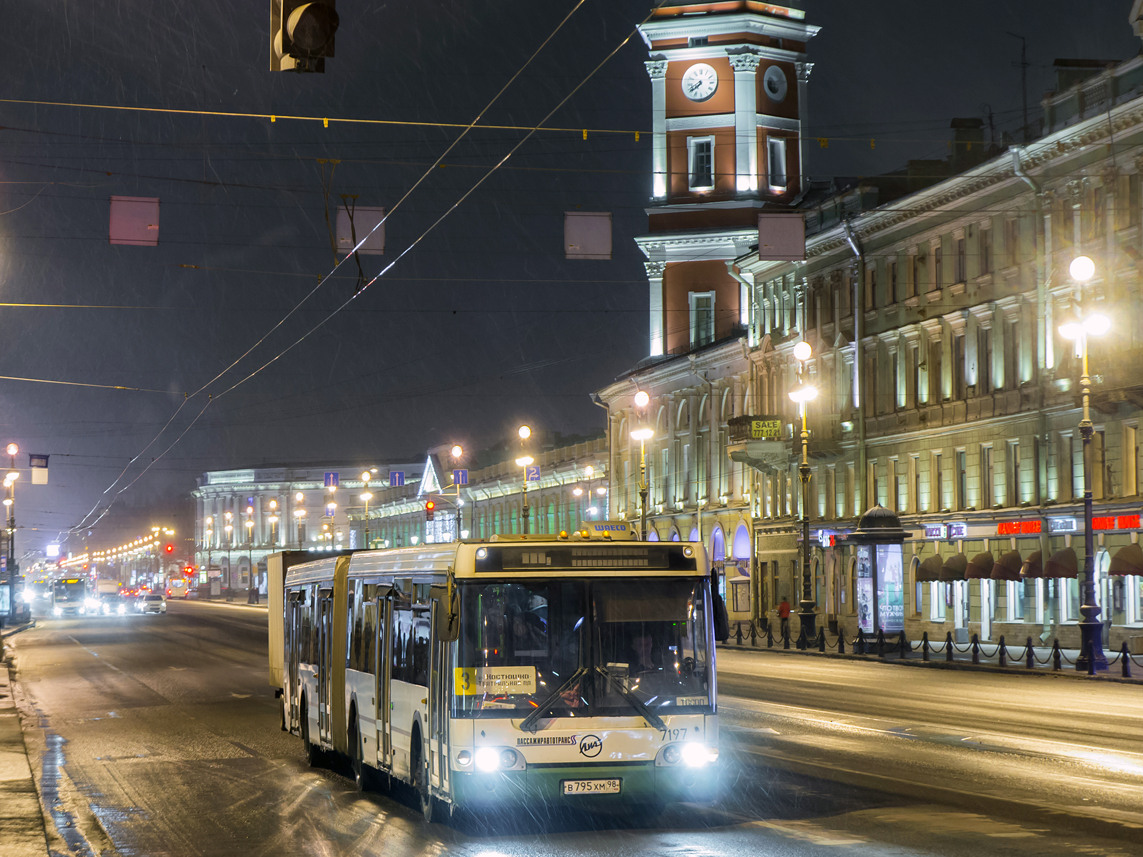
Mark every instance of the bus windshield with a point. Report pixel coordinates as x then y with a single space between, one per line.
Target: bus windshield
573 648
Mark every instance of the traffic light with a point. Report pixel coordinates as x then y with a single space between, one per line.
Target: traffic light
301 34
170 548
188 571
430 506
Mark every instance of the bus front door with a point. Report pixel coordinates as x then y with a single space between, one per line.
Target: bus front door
438 712
384 669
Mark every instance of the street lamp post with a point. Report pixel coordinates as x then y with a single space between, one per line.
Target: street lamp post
804 394
209 541
457 453
366 495
229 530
523 461
1091 629
10 502
252 590
642 434
273 524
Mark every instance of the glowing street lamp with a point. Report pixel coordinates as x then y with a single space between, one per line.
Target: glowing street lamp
1091 629
523 461
802 395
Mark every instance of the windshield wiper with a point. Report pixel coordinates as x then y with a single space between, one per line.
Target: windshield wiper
531 722
650 716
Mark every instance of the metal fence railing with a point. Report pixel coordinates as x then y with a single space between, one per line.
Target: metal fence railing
1028 655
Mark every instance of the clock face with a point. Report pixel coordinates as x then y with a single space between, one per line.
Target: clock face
774 82
699 82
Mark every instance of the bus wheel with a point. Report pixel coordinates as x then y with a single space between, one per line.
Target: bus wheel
421 778
361 772
313 751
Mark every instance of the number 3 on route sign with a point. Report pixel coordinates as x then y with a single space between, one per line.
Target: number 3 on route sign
532 473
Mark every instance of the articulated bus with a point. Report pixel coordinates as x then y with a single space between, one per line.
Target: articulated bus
555 669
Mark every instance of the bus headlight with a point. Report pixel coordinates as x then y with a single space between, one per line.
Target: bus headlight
695 755
488 759
464 758
91 604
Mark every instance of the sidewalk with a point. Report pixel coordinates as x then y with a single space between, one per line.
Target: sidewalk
22 832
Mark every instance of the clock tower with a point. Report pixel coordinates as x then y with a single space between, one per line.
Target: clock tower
728 82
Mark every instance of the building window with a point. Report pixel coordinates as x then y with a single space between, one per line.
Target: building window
870 286
938 485
776 162
1012 240
1130 461
958 388
1067 487
871 483
987 482
936 352
961 479
1014 473
937 593
914 484
938 267
959 262
898 484
1011 351
891 282
702 318
700 153
984 242
983 361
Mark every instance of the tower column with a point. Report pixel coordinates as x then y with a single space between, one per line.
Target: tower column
655 305
745 67
657 69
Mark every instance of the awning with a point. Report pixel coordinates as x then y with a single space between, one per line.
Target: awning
1127 560
930 569
980 567
1007 567
1062 564
954 567
1033 566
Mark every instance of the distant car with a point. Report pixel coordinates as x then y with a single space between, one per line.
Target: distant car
110 604
151 603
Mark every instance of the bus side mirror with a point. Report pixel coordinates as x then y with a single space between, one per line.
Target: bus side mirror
446 612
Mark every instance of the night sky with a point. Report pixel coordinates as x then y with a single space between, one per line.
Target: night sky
118 359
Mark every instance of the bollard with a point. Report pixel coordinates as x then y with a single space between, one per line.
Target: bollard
841 641
821 639
902 645
1056 656
786 637
1003 652
1031 655
769 636
880 643
859 645
1089 650
1126 655
975 649
803 643
925 646
948 647
753 634
738 633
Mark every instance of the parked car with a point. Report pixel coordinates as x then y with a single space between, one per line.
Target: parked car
152 602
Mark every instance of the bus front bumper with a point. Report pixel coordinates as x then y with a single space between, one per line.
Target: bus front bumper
640 783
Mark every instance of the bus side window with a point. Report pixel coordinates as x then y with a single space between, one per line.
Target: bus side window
369 639
402 643
420 649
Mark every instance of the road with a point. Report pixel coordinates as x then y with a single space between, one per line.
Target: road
159 735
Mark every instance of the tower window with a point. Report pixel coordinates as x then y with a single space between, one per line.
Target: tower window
776 162
697 41
702 318
701 168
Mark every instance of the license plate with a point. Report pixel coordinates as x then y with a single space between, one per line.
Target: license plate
591 787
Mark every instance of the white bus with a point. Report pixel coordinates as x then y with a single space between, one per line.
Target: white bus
575 671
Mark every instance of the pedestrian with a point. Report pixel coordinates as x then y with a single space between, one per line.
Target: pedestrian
784 616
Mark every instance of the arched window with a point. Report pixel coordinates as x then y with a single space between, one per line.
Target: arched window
717 545
741 549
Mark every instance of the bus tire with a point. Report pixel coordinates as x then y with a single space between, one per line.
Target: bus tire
362 773
313 751
420 776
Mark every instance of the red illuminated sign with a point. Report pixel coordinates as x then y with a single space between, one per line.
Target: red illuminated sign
1018 528
1128 522
1103 522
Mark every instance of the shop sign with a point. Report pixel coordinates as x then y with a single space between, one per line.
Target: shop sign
1062 525
1021 528
958 530
827 538
766 428
935 531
